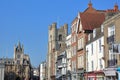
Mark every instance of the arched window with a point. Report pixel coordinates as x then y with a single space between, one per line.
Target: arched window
60 46
60 37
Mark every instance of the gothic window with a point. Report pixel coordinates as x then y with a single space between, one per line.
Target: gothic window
18 62
18 56
60 45
50 37
60 37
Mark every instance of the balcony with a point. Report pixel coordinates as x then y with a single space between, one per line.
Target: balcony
112 62
110 39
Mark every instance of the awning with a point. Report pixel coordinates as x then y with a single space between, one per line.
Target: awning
110 71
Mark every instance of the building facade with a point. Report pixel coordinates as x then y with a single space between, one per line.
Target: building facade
2 68
56 44
61 66
111 35
74 48
82 25
22 62
95 55
68 53
18 67
42 71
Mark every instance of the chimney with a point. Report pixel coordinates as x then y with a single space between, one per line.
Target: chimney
116 7
90 4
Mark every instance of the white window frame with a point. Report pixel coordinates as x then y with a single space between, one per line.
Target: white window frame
94 33
111 30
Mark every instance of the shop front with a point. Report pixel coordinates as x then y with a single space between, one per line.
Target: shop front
118 73
80 74
110 73
96 75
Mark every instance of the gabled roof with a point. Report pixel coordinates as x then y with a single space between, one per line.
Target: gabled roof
90 21
91 18
90 10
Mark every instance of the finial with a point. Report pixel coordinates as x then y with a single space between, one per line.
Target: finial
90 3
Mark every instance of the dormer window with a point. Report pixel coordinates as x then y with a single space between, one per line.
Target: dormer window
94 33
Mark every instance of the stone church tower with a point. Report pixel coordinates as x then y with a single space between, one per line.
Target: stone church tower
56 43
22 62
18 54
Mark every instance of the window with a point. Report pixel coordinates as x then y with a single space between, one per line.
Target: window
92 64
92 48
87 66
100 62
80 28
18 56
111 31
74 50
99 45
88 37
50 37
80 62
102 28
18 62
94 33
73 66
74 38
59 45
60 37
80 43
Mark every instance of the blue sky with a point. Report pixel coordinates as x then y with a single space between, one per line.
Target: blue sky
27 21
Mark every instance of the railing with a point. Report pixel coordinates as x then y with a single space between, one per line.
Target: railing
112 62
110 39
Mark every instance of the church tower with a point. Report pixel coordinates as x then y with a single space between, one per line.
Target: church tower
56 43
18 53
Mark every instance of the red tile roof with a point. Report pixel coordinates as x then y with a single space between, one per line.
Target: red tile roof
92 18
90 21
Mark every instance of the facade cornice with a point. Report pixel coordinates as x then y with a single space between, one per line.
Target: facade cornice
110 20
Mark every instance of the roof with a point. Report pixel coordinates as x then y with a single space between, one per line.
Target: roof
90 21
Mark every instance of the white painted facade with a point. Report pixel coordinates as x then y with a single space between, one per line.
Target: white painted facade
68 52
94 55
42 70
2 67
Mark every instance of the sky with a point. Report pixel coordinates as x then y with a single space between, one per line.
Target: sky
27 21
